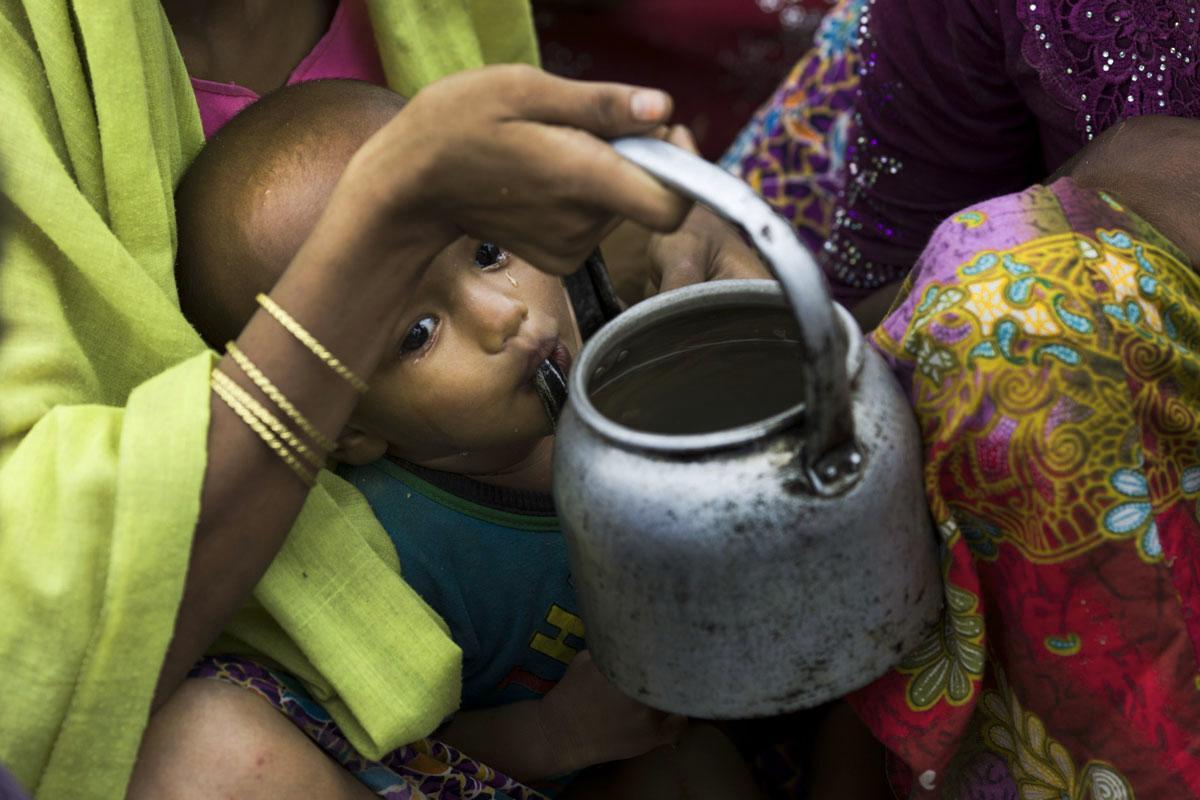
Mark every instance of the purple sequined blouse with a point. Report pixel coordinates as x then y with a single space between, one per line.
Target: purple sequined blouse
962 100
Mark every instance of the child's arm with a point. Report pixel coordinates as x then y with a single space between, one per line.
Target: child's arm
583 720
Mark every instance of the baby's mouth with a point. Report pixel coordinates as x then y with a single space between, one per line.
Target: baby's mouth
550 349
561 357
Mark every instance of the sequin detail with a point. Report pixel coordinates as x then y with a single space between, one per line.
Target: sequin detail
1108 60
841 257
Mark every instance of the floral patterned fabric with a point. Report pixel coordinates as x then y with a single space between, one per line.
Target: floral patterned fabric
424 770
793 151
1050 343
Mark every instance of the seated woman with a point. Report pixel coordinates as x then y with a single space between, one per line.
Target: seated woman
140 517
1048 340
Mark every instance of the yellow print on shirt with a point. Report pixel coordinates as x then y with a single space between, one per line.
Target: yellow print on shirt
556 647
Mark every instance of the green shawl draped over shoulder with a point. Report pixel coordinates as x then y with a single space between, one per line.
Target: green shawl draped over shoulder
104 400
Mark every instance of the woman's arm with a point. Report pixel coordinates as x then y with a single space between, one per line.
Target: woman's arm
342 287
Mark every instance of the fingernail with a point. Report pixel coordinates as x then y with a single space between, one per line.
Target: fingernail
648 105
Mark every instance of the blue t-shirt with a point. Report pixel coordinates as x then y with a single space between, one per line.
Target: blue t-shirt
493 566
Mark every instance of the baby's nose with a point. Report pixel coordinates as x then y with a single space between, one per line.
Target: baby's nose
498 314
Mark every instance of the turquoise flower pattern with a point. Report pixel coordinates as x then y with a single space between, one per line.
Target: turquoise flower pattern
1134 517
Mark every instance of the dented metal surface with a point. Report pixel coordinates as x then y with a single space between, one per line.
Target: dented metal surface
721 575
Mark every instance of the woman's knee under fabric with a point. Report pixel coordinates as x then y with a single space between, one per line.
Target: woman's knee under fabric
213 739
240 721
1048 342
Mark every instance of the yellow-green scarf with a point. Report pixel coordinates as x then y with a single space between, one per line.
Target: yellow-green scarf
104 408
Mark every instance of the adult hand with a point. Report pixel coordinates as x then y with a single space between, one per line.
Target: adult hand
516 156
704 248
588 721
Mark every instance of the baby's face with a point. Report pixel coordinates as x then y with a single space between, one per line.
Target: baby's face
460 376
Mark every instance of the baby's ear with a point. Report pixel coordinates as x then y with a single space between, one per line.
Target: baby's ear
357 448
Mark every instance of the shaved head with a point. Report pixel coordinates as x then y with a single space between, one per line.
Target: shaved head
250 199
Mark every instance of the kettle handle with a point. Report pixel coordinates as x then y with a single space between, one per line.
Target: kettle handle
828 420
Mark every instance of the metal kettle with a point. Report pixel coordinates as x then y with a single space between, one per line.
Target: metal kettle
743 567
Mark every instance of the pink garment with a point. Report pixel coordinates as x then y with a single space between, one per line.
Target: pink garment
347 50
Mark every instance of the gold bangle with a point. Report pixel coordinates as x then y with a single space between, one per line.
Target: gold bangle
267 437
278 398
267 418
305 338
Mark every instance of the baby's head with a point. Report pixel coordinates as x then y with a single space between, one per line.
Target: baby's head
456 393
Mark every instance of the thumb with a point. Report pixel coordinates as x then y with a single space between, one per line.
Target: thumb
680 136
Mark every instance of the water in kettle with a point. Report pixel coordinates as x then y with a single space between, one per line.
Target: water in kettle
702 373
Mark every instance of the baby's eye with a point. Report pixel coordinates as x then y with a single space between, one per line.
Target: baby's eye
489 256
418 335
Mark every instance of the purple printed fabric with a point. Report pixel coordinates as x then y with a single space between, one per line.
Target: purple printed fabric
792 153
952 102
9 788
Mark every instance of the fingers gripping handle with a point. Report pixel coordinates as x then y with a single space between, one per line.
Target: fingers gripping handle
828 421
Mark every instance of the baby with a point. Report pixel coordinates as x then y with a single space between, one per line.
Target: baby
451 446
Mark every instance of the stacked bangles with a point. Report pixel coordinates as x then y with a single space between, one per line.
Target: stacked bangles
304 459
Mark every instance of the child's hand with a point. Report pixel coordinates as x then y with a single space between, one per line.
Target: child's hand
586 720
704 248
642 263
